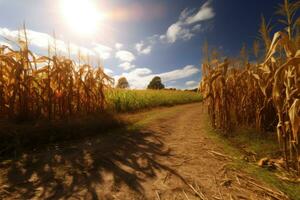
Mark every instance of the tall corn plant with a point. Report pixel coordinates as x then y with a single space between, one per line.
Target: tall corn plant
51 86
263 94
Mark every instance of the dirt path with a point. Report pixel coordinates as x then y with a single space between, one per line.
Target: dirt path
171 157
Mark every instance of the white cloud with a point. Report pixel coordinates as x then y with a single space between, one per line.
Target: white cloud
11 35
118 46
176 31
187 71
142 48
108 71
126 66
125 56
141 71
74 49
197 27
183 29
43 40
35 38
191 83
187 26
162 37
138 46
103 51
147 50
2 43
137 78
140 77
173 32
206 12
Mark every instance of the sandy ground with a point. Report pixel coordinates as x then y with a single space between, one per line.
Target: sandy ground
171 157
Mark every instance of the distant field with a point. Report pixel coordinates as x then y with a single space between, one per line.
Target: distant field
120 100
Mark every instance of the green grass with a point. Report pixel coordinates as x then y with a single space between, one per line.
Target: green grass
120 100
262 144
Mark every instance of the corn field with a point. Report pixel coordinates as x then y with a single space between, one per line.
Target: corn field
120 100
265 93
50 87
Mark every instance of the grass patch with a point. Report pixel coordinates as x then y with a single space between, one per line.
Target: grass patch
264 145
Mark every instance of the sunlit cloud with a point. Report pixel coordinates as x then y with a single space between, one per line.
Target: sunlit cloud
108 71
182 29
74 49
125 56
37 39
42 41
126 66
118 46
140 77
190 83
2 43
187 26
197 27
206 12
186 71
103 51
141 71
142 48
176 31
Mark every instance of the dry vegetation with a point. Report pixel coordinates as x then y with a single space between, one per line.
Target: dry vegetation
50 86
265 93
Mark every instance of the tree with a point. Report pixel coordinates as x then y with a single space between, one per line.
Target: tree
156 84
123 83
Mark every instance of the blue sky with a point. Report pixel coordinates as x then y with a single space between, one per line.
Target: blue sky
139 39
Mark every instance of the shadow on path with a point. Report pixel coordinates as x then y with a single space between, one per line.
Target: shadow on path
84 168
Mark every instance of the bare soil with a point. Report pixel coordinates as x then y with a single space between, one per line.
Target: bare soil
170 157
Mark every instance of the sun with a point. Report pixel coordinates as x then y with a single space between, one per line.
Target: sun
81 15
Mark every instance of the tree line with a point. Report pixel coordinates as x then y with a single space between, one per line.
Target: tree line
154 84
